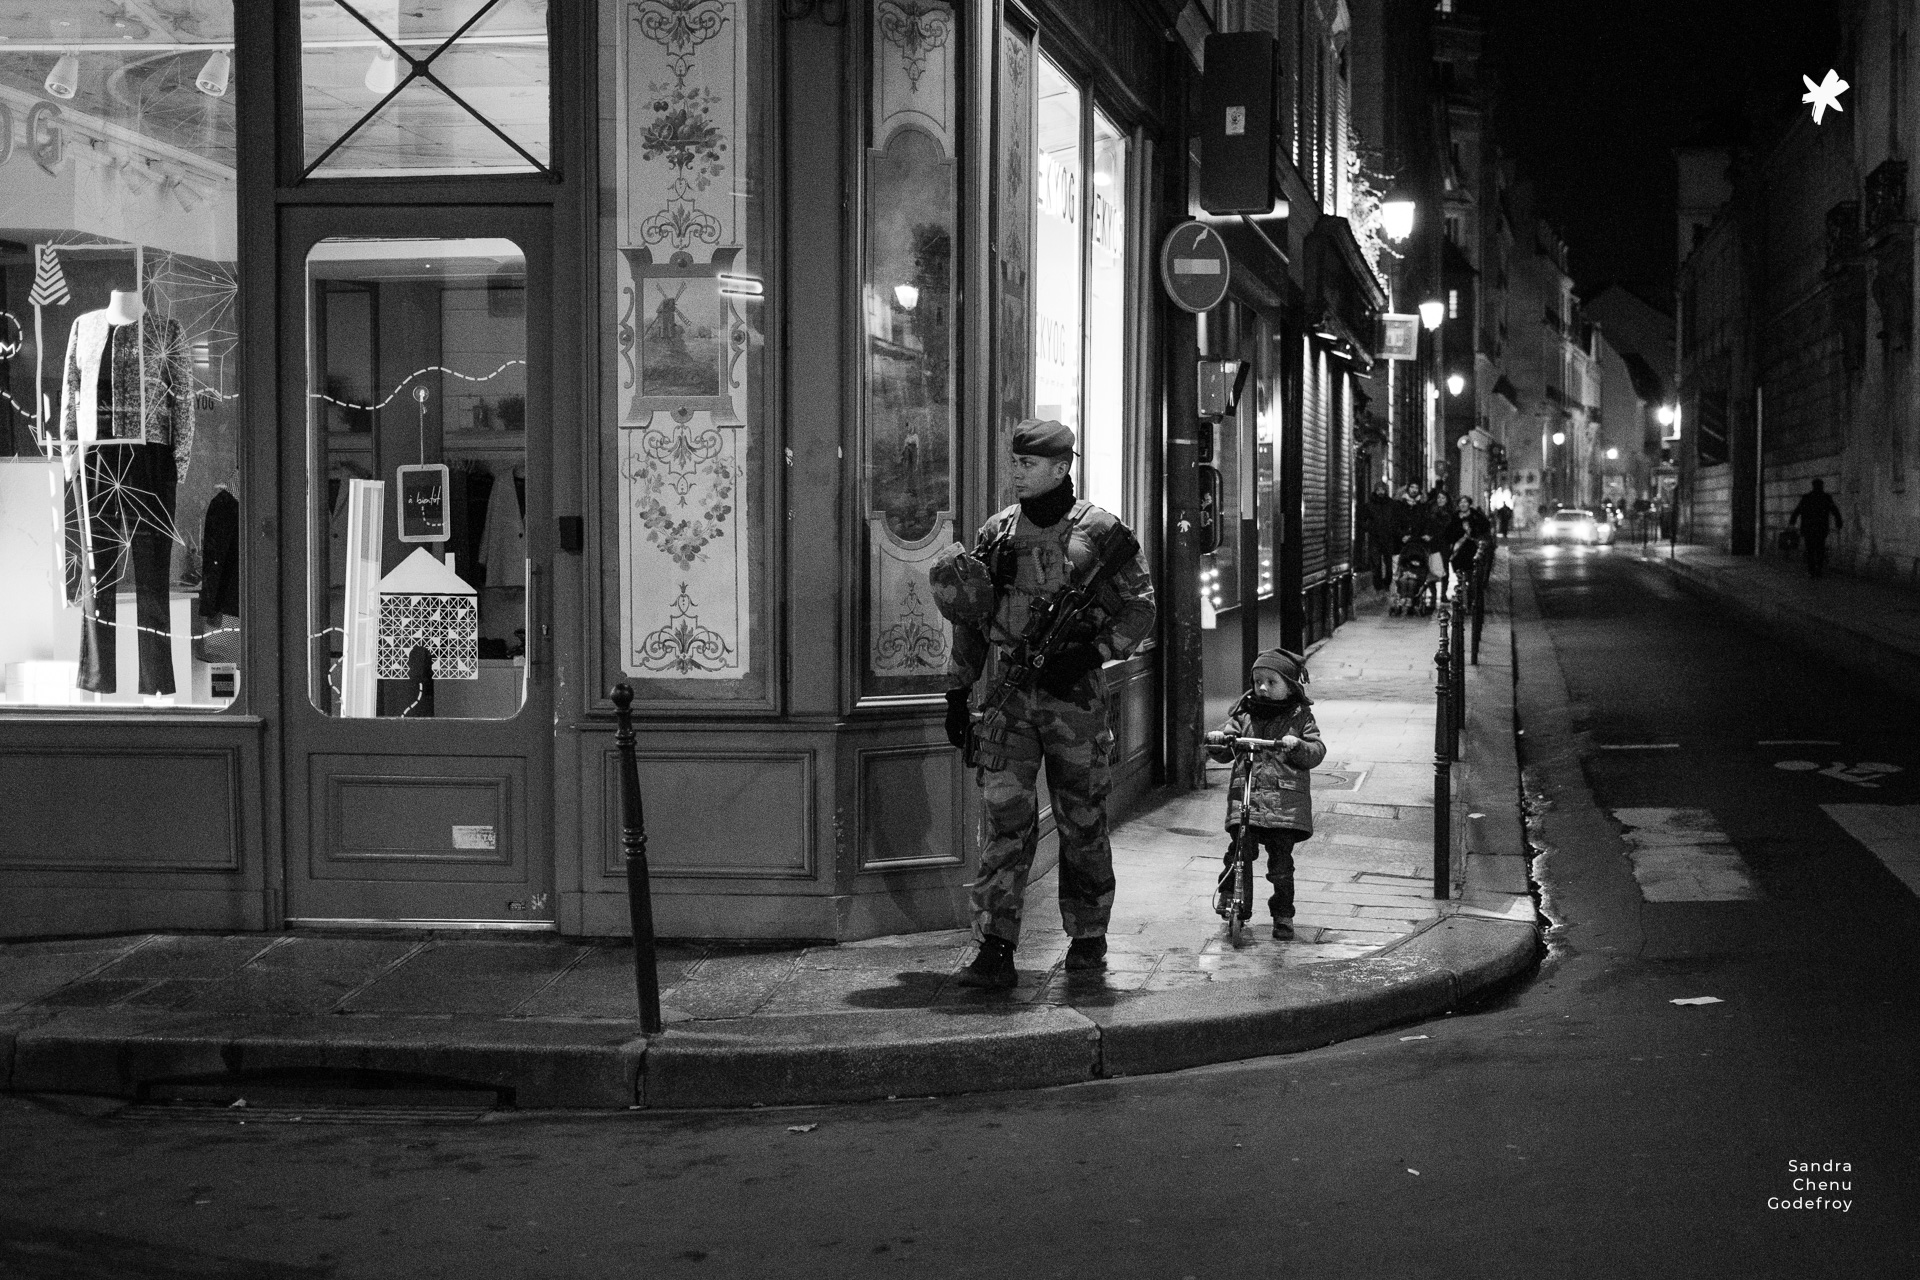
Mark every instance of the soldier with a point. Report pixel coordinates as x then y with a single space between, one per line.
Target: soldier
1024 556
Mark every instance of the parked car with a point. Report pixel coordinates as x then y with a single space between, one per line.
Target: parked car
1578 525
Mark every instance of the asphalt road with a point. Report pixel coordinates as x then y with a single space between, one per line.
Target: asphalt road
1579 1125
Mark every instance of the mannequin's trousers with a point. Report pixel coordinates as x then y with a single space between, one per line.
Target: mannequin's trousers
120 532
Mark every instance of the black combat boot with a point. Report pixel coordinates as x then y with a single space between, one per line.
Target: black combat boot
992 968
1087 953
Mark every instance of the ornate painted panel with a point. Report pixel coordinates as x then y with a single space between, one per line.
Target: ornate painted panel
911 338
687 292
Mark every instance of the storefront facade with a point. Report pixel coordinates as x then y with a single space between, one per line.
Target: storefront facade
382 386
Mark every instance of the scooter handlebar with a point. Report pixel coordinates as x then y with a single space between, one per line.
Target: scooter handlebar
1218 739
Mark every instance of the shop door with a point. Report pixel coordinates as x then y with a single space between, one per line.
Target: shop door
417 687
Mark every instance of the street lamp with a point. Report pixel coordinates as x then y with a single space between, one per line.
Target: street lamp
1456 384
1432 312
1396 214
1612 454
1559 437
1664 415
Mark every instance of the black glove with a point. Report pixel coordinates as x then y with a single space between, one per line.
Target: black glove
1064 669
958 720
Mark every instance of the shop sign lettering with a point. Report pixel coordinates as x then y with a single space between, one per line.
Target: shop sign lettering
1058 193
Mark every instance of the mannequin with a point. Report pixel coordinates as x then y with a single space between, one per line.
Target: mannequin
126 417
125 307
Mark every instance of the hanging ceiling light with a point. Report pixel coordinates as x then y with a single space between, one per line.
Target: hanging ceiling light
64 80
383 73
213 77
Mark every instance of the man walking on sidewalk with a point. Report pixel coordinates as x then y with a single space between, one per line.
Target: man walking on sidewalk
1812 513
1024 560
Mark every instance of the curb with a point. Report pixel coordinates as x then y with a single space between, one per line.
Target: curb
117 1054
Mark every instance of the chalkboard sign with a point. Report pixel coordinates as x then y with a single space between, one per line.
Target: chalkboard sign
421 492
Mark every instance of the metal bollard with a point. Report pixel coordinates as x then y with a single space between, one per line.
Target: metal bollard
633 843
1442 772
1457 651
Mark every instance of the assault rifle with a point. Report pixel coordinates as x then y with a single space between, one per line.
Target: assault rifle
1052 625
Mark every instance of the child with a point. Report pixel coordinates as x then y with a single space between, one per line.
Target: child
1280 802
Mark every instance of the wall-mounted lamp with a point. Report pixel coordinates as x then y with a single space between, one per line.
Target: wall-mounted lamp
1455 384
383 73
907 295
64 80
1432 313
1396 214
1664 415
1613 453
213 76
1559 437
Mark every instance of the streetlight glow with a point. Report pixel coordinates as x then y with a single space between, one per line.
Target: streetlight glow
1559 437
1396 215
1432 313
1613 453
1664 415
1456 384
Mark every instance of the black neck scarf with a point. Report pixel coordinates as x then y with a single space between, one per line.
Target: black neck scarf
1046 510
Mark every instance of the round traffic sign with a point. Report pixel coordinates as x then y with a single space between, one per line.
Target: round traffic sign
1194 266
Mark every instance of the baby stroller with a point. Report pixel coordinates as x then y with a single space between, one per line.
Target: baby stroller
1412 582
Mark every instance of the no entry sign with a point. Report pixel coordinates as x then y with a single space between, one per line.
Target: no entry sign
1194 266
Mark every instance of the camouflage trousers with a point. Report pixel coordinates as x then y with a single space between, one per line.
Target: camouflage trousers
1076 745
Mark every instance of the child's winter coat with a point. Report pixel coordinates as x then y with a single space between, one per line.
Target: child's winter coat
1282 794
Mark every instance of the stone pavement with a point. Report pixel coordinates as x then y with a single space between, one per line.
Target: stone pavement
1869 625
550 1022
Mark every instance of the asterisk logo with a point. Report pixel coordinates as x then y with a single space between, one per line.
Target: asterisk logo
1825 94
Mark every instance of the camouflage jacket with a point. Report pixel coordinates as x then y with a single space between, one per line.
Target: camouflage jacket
1029 563
1282 790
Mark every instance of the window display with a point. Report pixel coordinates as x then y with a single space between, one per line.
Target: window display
417 422
120 489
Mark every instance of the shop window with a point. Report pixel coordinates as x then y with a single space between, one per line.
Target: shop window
417 447
1103 441
120 475
912 338
445 87
1058 222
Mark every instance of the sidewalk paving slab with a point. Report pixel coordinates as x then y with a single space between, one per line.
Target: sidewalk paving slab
552 1021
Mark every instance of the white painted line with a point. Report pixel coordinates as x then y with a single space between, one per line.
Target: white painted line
1890 832
1682 855
1795 742
1639 746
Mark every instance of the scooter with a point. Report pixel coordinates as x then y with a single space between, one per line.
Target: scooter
1236 903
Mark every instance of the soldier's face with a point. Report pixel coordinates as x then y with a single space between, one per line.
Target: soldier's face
1033 476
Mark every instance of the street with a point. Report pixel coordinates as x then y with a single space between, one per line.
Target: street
1700 797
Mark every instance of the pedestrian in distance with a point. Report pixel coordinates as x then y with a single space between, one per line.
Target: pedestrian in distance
1011 714
1377 519
1280 797
1811 514
1435 515
1466 532
1504 513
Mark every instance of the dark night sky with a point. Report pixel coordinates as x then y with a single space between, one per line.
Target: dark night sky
1596 93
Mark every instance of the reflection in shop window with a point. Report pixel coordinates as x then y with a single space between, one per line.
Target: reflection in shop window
417 425
423 88
1056 237
120 480
1104 439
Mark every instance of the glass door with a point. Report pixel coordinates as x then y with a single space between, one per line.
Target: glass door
418 729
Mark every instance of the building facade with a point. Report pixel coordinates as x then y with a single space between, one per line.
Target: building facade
382 386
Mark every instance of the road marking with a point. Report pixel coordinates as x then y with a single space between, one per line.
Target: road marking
1639 746
1890 832
1863 774
1796 742
1682 855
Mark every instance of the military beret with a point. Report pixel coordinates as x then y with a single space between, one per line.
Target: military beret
962 587
1043 438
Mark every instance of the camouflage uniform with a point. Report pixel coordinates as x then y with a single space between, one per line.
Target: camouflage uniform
1072 734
